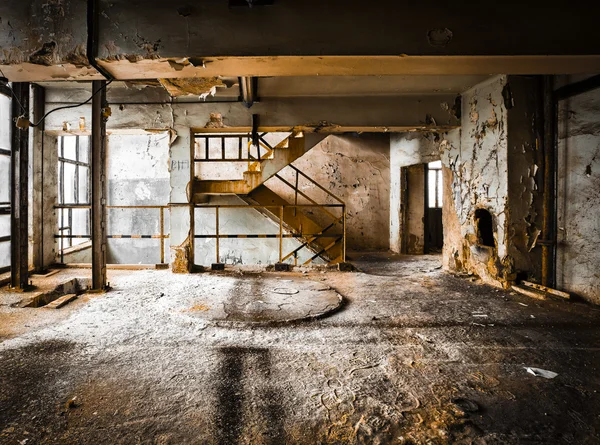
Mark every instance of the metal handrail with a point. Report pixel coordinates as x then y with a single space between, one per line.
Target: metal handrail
162 236
311 237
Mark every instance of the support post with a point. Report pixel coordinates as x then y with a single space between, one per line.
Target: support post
162 235
98 169
37 184
217 233
344 233
19 167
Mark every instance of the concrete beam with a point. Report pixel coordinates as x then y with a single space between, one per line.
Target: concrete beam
334 115
47 40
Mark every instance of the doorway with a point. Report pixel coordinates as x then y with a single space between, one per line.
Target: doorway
434 230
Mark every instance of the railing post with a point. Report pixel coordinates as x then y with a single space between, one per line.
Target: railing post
280 233
344 235
162 235
296 195
217 230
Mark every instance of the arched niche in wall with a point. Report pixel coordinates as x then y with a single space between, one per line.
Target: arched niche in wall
484 227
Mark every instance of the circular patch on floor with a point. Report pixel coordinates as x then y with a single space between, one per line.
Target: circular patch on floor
263 299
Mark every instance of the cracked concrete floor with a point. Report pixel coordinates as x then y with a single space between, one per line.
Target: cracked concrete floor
414 356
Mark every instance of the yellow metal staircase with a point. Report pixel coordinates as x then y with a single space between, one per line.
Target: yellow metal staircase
319 227
262 168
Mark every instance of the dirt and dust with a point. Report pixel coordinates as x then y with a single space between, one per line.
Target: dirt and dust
415 356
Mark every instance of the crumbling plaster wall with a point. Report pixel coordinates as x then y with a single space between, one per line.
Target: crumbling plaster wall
525 174
495 167
480 180
356 169
578 262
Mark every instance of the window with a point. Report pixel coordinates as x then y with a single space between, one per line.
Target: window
5 180
73 190
435 185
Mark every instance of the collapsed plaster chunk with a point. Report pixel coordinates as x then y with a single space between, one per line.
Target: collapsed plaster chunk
194 86
46 55
181 262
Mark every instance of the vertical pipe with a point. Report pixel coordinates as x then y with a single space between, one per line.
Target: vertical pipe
217 232
98 204
426 209
162 235
548 245
344 234
19 200
280 234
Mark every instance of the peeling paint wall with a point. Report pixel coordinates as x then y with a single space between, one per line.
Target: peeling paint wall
357 170
480 179
525 175
578 265
138 175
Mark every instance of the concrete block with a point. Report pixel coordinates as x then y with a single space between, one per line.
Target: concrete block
283 267
60 302
346 267
218 266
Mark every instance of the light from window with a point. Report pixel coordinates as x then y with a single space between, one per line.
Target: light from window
435 185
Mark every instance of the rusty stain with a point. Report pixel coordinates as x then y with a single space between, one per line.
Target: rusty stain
198 308
181 263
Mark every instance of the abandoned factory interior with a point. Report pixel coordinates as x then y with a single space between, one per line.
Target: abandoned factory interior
264 222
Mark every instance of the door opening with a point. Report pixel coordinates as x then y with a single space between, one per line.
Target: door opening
434 231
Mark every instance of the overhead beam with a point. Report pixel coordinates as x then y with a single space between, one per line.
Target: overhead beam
19 167
294 38
98 167
335 114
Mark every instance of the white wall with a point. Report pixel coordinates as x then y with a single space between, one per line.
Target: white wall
578 265
138 175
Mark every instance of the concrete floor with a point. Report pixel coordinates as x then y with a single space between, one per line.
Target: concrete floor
413 356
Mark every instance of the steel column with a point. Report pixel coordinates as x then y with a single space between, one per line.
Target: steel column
98 169
19 167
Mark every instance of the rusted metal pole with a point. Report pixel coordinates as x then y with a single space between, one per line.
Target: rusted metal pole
162 235
548 245
217 232
344 235
98 170
19 165
280 233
